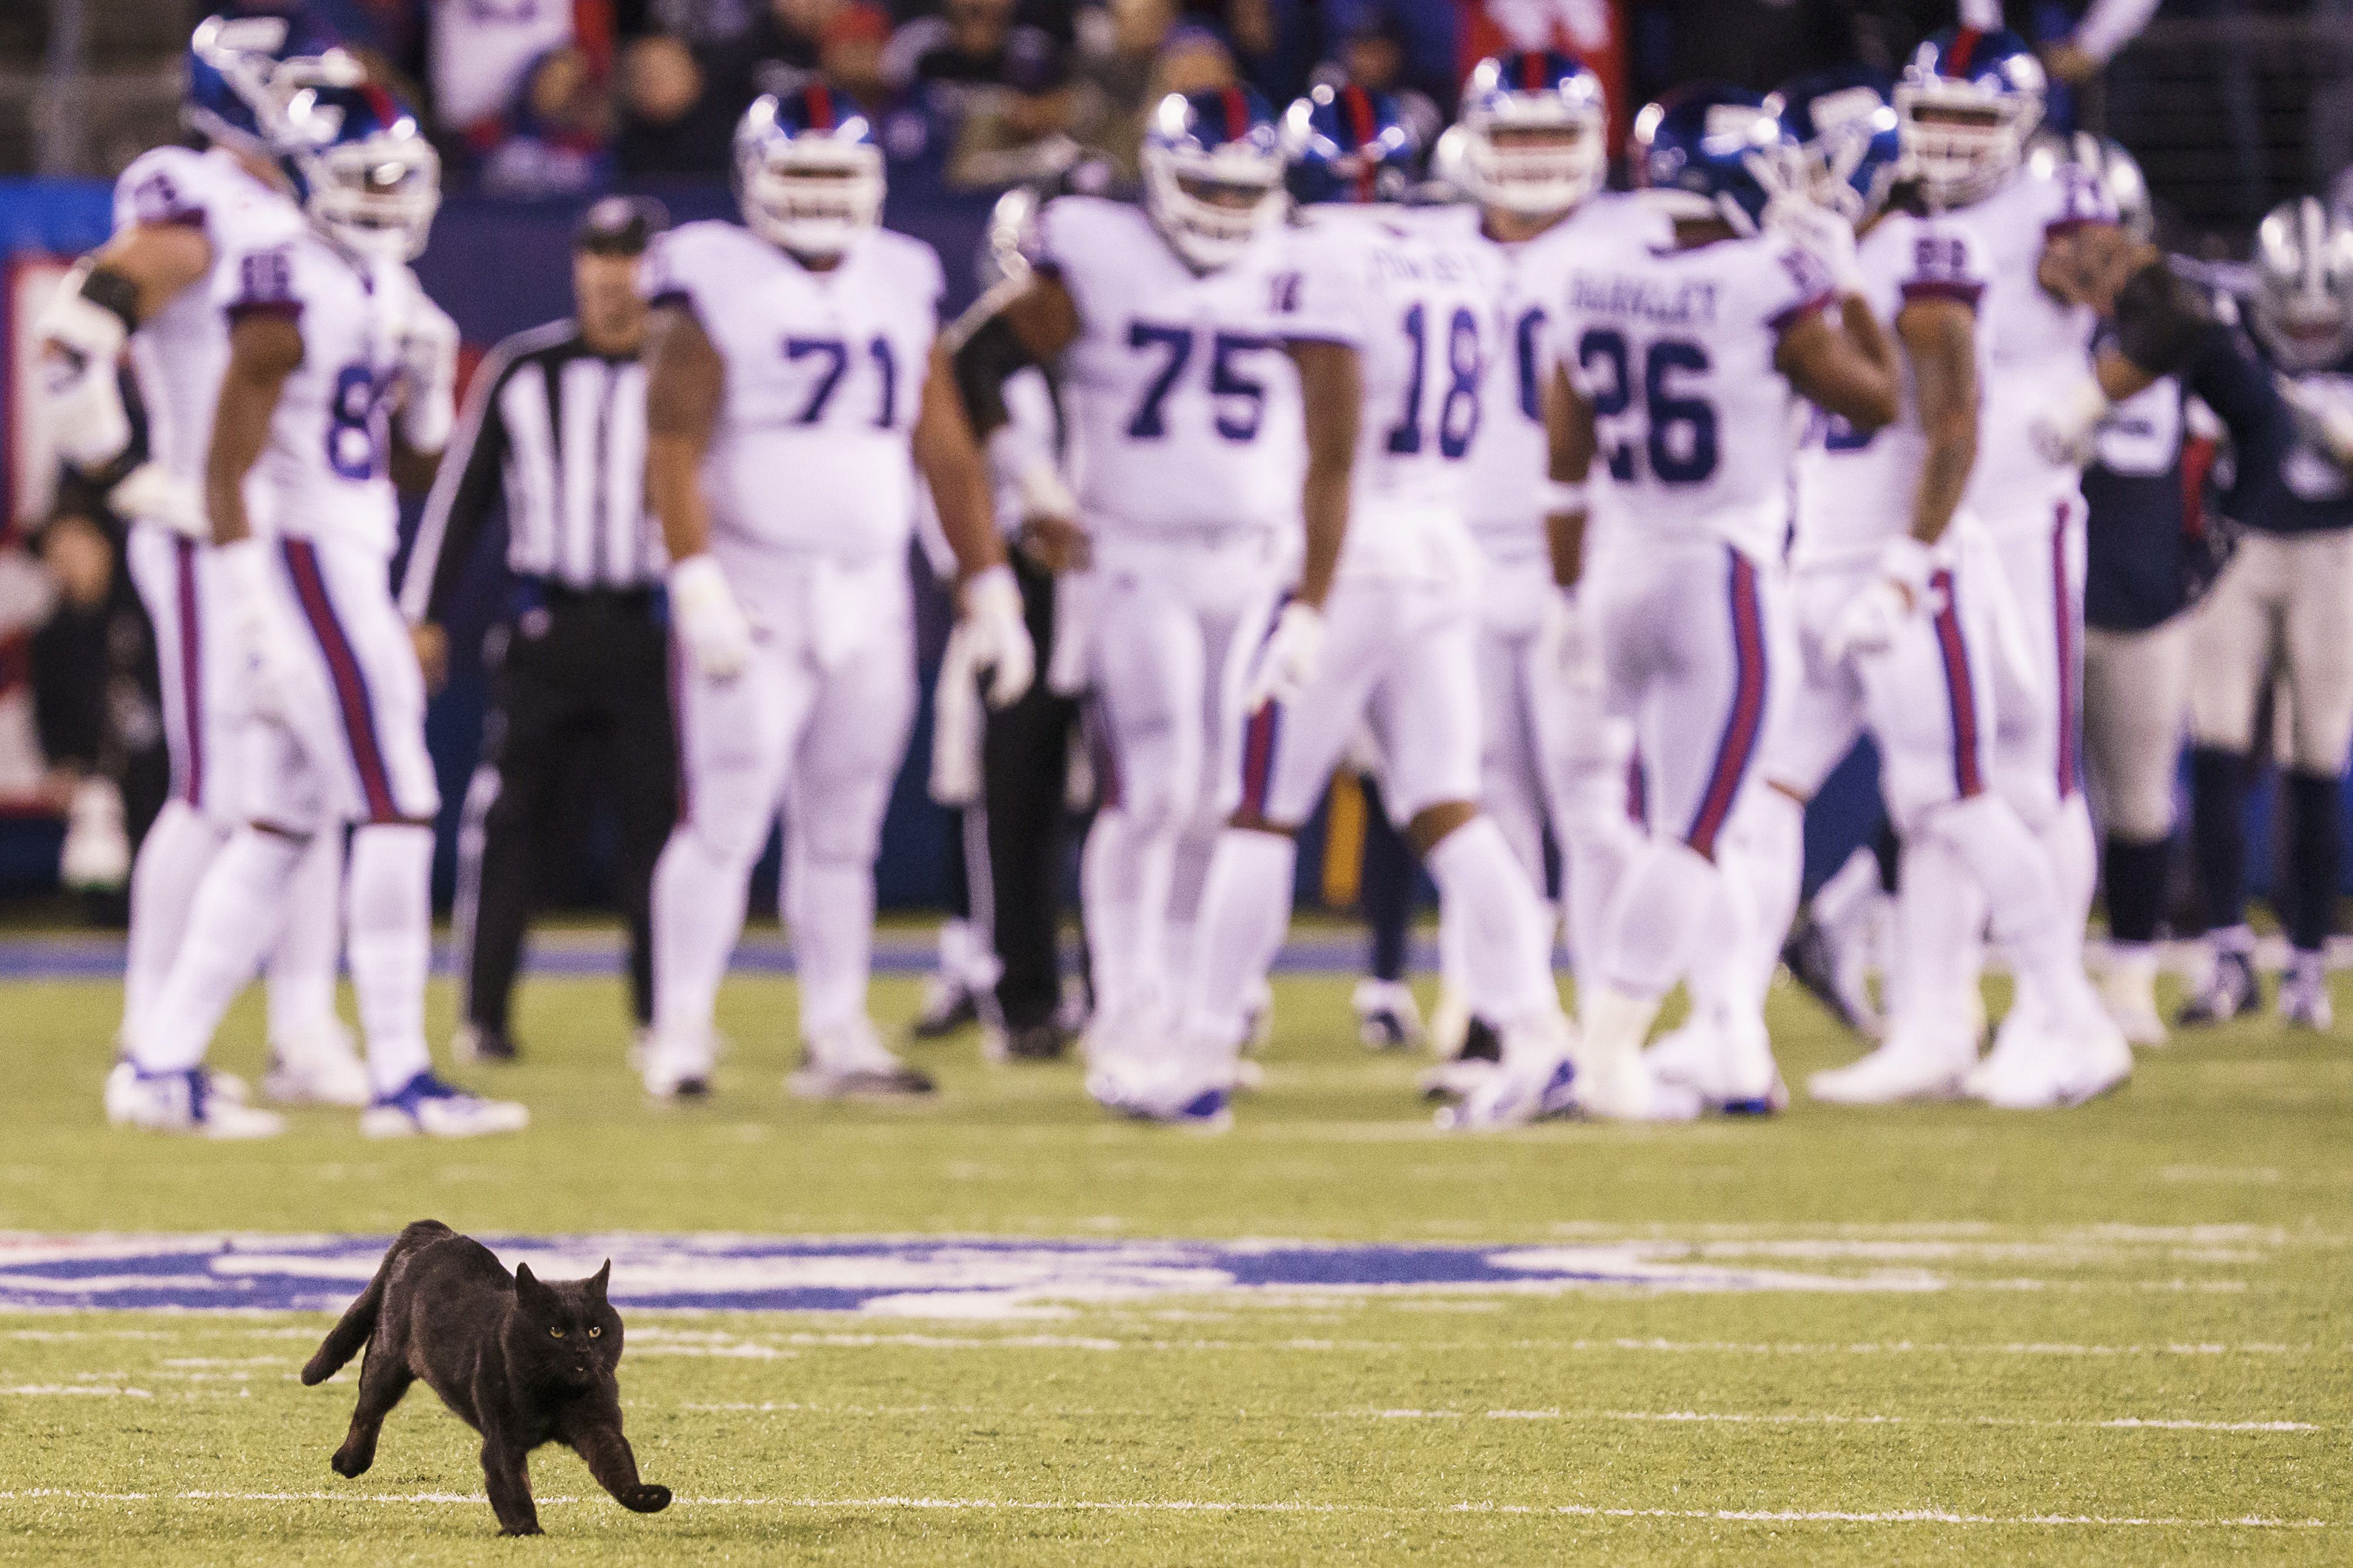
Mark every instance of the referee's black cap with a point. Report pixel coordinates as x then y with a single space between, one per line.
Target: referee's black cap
619 225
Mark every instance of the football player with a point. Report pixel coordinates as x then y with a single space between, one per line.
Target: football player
338 372
2282 607
1677 358
1388 317
1898 599
794 388
1185 446
177 214
1966 106
1532 154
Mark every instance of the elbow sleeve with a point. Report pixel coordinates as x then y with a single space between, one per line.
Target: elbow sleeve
988 355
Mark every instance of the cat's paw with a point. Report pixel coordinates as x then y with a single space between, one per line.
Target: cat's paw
351 1465
647 1499
526 1530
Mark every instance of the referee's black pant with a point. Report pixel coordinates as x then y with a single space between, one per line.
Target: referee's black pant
581 705
1025 764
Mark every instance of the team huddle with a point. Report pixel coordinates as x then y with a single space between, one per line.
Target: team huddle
1608 521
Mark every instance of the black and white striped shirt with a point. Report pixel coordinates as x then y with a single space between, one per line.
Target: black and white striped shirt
558 432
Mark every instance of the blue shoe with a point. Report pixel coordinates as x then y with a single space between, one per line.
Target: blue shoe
426 1107
2229 990
187 1103
1514 1098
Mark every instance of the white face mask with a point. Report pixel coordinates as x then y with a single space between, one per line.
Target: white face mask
1212 205
1506 165
814 197
376 197
1962 157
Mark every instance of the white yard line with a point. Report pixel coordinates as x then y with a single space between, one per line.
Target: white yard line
785 1345
990 1505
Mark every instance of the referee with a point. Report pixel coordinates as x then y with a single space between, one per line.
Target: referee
554 427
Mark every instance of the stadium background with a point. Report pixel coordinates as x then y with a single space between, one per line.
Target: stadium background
2230 105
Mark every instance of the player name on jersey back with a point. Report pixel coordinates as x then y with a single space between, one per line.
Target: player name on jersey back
325 473
181 349
824 374
1183 407
1676 349
1856 490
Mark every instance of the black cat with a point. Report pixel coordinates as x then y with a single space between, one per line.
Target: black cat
522 1361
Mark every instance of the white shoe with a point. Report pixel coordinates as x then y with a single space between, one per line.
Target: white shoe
1191 1096
674 1068
184 1102
2037 1070
1729 1065
1905 1067
1613 1083
427 1107
850 1062
1387 1018
2304 996
316 1065
1457 1079
1514 1095
2128 991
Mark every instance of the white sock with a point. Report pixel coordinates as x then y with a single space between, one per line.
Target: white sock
1939 910
2075 850
1594 860
697 913
1189 872
1764 860
830 909
1850 887
301 967
1507 944
164 882
2044 946
1655 922
1107 897
236 915
389 911
1245 908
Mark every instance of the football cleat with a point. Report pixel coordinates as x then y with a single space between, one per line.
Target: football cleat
474 1043
427 1107
183 1102
1833 962
947 1009
1387 1018
1729 1067
1514 1097
1173 1096
2037 1068
317 1066
2303 996
674 1068
850 1062
1905 1067
1458 1080
2229 990
2128 991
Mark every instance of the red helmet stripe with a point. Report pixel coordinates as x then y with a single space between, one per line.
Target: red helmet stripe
1237 114
820 107
1965 48
1532 71
380 101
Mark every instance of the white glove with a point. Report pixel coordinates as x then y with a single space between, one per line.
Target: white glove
996 635
1568 645
2061 430
428 350
271 674
1293 654
1871 619
717 634
82 349
1791 212
153 493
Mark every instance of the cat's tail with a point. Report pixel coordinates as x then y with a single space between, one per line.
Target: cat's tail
344 1339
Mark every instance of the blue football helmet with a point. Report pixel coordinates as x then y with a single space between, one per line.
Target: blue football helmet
1212 172
1844 124
238 81
1965 108
1534 132
808 173
1342 143
358 158
1696 153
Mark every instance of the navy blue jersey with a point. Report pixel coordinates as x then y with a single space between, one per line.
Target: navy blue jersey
2148 555
2311 493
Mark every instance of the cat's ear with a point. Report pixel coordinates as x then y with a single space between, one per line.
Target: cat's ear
595 1282
529 1292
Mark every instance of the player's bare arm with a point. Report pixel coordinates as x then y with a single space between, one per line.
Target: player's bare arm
1331 387
1016 325
1850 369
1940 339
263 348
1570 442
155 259
948 456
685 382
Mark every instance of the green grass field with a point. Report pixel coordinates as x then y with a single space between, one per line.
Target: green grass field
2125 1334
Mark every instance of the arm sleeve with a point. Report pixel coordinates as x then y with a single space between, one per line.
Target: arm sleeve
465 489
1800 288
1947 263
259 282
1318 293
2228 376
156 189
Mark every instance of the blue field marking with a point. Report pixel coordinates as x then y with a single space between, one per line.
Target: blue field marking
917 1277
895 952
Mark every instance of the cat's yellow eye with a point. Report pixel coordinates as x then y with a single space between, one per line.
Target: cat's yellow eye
596 1333
557 1333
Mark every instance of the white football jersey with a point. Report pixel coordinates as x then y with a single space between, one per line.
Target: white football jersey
1413 292
1510 458
1855 491
324 472
179 351
1676 349
1183 409
824 373
2041 346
